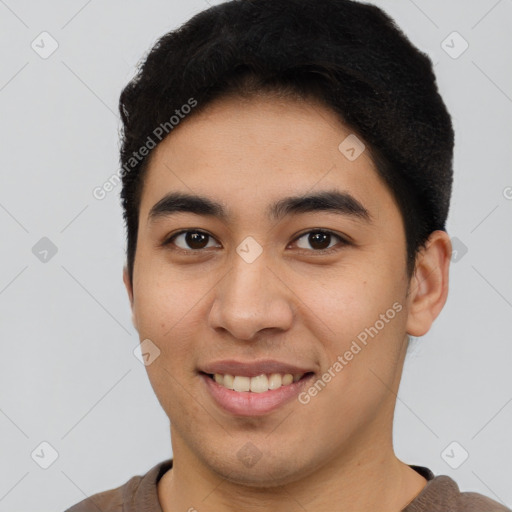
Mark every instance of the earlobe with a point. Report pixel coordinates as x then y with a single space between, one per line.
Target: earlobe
429 284
129 290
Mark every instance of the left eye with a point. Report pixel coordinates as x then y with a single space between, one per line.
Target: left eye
320 240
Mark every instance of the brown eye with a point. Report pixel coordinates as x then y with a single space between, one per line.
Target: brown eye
190 240
320 240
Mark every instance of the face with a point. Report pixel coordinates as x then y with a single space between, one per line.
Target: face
312 287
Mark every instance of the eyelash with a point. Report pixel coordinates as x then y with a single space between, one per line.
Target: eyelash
344 242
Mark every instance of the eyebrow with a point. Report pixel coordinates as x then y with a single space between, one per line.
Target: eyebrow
333 201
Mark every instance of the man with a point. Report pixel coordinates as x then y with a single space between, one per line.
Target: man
287 171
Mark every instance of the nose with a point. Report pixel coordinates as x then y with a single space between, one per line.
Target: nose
250 298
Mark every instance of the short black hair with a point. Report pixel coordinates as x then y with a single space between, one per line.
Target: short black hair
350 56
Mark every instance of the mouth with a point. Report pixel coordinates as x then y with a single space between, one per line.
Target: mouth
259 395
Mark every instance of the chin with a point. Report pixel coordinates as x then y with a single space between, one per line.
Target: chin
265 472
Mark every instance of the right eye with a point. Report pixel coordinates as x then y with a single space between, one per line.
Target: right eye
191 240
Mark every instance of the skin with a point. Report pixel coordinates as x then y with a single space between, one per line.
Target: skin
290 304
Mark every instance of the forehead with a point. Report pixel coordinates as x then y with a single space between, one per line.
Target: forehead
249 154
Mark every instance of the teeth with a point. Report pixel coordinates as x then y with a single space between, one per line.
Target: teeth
228 381
287 379
258 384
242 383
275 380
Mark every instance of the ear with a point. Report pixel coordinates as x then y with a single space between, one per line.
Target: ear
129 289
428 288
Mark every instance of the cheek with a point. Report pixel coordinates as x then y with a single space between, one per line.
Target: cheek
364 306
166 314
342 301
165 297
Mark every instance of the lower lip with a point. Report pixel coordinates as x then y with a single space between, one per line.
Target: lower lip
248 403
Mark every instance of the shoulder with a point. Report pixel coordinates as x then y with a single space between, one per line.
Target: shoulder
112 500
475 502
139 492
443 493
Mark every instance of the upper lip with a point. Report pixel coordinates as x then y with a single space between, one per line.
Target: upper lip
252 368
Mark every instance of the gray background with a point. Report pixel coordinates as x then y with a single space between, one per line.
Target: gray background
68 375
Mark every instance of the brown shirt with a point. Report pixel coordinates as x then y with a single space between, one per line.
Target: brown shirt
139 494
